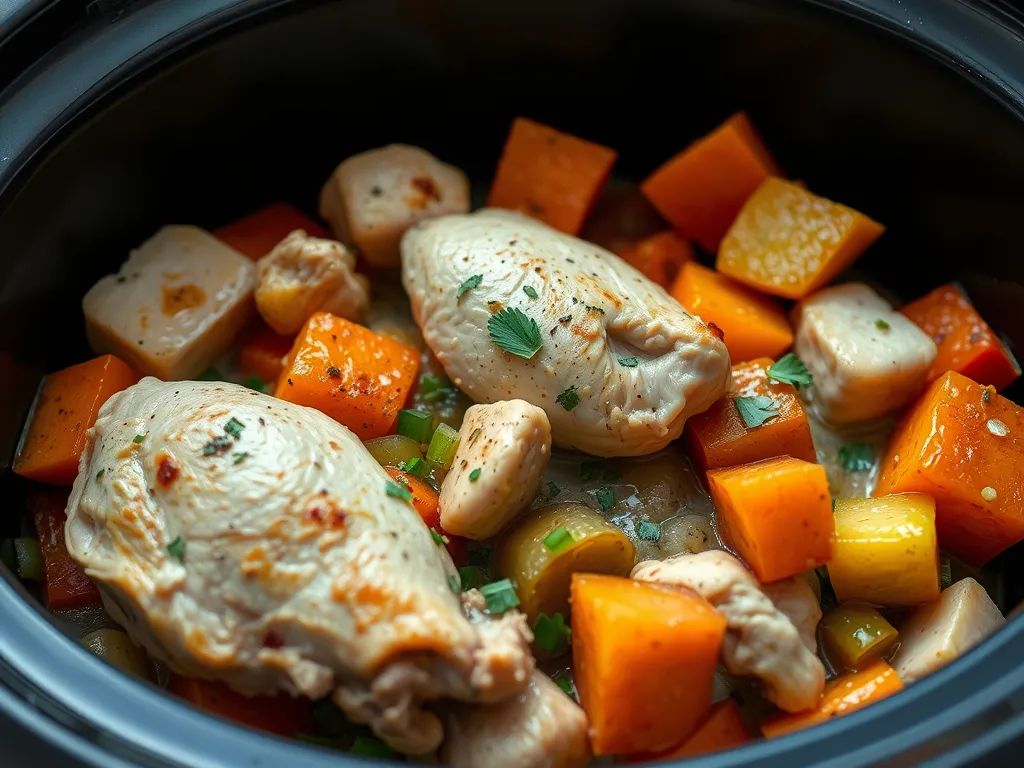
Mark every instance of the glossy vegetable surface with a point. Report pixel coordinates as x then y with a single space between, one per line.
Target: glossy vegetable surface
116 648
256 235
28 559
263 353
856 633
722 728
394 450
280 714
65 584
660 257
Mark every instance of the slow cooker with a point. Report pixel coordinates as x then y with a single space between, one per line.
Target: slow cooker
118 115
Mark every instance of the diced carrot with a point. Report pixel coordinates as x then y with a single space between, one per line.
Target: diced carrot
256 235
659 257
963 445
845 694
789 242
280 714
701 189
264 353
966 343
754 325
720 438
550 175
352 374
629 638
65 408
65 584
722 728
776 514
424 498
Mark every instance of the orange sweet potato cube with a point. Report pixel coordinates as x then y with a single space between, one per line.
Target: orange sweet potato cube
776 514
350 373
963 445
659 257
256 235
722 728
720 437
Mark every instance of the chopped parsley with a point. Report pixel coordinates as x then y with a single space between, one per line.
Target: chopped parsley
857 457
648 531
605 498
474 475
138 439
239 457
756 410
500 596
177 548
234 428
530 291
469 284
514 332
437 537
394 489
551 633
563 682
881 325
217 445
554 489
568 398
790 369
100 474
558 539
255 382
629 362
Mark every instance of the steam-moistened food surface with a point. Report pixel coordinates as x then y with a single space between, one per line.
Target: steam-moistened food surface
630 471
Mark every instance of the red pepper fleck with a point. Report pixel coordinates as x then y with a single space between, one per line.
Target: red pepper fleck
427 186
167 470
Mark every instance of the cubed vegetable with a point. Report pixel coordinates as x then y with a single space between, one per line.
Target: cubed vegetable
550 175
28 559
443 446
854 634
776 514
174 306
116 648
886 551
754 326
418 425
843 695
65 584
789 242
256 235
659 257
702 189
350 373
720 437
966 343
644 661
424 498
394 450
963 445
722 728
579 541
65 407
264 353
280 714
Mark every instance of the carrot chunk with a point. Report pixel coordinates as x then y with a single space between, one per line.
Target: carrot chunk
963 445
701 189
722 728
424 498
550 175
66 406
65 584
353 375
659 257
264 353
966 343
256 235
776 514
845 694
720 437
754 325
280 714
789 242
628 640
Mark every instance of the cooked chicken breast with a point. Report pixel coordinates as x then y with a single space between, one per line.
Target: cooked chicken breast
303 275
761 640
939 632
795 600
246 539
540 728
621 366
866 358
372 198
503 451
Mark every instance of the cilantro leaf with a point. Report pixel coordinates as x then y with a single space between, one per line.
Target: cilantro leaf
629 362
648 531
234 427
568 398
514 332
565 684
790 369
468 284
474 475
857 457
881 325
530 291
755 411
551 633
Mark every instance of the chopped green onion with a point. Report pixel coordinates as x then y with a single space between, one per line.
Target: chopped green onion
138 439
392 488
234 428
558 539
563 682
437 537
648 531
443 446
857 457
881 325
177 548
419 425
368 746
500 596
605 498
434 388
551 633
255 382
472 576
415 467
474 475
629 362
29 559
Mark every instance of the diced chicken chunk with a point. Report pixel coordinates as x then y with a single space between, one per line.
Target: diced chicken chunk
175 305
303 275
866 358
502 455
540 728
761 640
939 632
372 198
797 602
620 366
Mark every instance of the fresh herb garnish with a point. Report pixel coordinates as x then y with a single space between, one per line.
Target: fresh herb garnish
790 369
563 682
514 332
394 489
554 489
434 388
530 291
605 498
471 282
138 439
857 457
881 325
558 539
100 473
756 410
217 445
551 633
177 548
500 596
255 382
648 531
629 362
437 537
418 425
472 576
415 466
234 428
239 457
568 398
474 475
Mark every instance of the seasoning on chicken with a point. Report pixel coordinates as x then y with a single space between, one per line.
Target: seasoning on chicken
761 640
257 542
174 306
303 275
515 309
503 452
372 198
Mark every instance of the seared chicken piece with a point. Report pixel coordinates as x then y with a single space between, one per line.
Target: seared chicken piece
174 306
621 366
372 198
246 539
761 640
867 359
939 632
795 600
303 275
503 451
539 728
